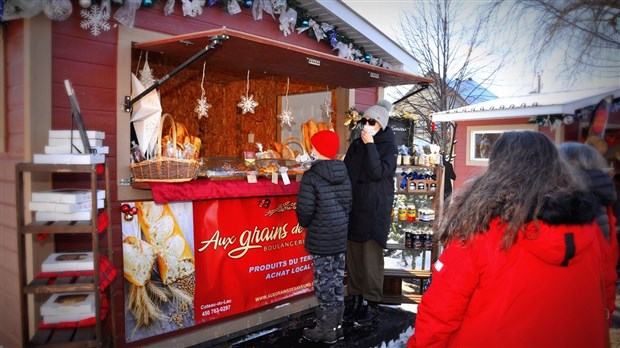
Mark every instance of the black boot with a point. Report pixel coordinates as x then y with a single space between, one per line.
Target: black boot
369 315
339 330
326 327
354 310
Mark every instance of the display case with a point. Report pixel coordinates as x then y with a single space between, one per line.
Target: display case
411 248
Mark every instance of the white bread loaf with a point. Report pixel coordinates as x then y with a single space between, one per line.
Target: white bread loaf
175 260
138 260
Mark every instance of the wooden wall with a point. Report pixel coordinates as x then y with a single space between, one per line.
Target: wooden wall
224 132
10 328
90 63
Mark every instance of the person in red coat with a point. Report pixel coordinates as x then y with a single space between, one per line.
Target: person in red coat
523 258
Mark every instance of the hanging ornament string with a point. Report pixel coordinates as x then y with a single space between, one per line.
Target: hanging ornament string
139 60
286 117
247 103
202 109
326 108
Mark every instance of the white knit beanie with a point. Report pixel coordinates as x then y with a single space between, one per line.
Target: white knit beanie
380 112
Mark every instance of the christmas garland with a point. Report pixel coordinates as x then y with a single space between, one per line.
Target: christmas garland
97 13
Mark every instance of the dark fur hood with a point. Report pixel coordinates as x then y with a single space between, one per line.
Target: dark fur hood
579 208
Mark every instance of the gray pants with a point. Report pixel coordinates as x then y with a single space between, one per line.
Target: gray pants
328 281
365 270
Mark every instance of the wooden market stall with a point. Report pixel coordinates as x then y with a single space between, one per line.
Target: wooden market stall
255 58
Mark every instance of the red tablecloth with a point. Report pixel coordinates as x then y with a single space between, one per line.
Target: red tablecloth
212 189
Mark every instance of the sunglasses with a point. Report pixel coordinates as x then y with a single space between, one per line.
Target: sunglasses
371 122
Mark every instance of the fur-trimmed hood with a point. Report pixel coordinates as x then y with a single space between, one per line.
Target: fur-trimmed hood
569 209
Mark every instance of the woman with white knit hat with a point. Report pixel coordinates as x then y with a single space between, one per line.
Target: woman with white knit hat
371 162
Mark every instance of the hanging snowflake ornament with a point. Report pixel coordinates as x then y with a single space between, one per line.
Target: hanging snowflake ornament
286 117
95 19
326 109
202 109
247 103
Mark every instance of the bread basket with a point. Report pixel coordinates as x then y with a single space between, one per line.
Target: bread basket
165 169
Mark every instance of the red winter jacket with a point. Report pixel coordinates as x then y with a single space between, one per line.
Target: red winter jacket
481 296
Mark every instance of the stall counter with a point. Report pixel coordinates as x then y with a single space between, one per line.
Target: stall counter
230 246
201 189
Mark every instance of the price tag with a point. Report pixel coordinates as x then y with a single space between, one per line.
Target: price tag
274 178
285 178
251 178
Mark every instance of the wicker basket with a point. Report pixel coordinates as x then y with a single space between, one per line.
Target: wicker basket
165 169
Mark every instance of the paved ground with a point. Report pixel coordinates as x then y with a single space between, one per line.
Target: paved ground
392 322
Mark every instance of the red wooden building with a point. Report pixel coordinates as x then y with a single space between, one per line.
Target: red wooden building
38 54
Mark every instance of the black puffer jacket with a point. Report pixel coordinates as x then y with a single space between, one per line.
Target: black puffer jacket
371 169
323 206
603 188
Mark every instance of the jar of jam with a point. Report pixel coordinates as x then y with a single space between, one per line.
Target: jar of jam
402 214
411 213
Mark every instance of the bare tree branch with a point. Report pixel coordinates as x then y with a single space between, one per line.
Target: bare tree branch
451 50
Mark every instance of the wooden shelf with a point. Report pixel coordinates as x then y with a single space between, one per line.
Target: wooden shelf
416 193
56 168
393 277
85 336
402 298
69 337
401 246
50 285
406 273
85 226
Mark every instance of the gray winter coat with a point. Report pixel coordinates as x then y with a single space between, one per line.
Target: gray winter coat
323 206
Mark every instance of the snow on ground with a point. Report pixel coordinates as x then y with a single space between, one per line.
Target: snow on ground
404 336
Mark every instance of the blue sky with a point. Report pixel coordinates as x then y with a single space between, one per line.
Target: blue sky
516 78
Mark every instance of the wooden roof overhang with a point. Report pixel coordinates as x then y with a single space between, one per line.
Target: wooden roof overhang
237 52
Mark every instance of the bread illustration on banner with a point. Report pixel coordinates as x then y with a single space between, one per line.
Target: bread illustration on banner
138 260
175 259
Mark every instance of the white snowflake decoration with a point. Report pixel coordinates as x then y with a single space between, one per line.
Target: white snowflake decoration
95 19
247 104
202 109
326 109
286 117
146 74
